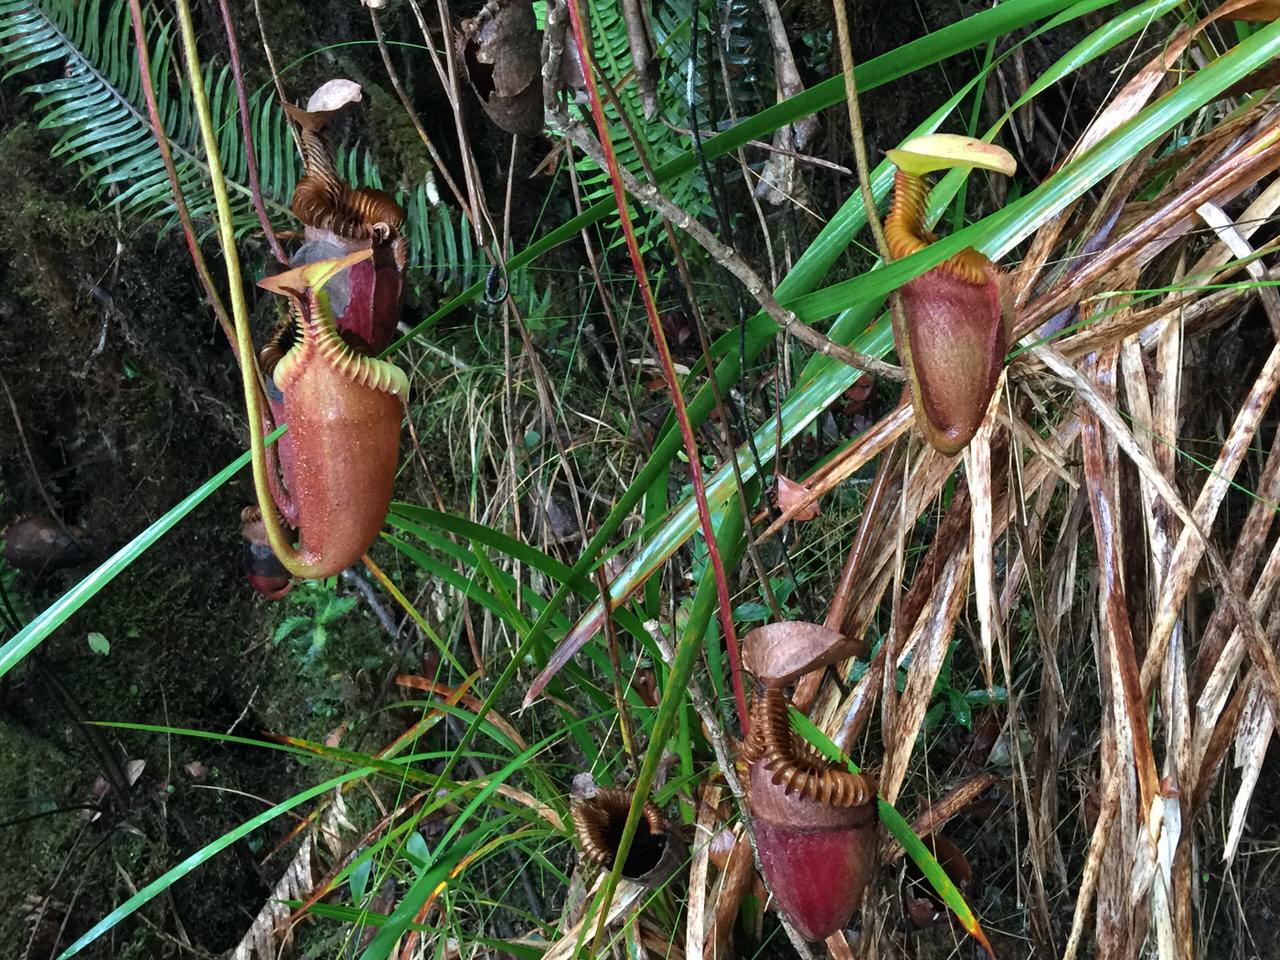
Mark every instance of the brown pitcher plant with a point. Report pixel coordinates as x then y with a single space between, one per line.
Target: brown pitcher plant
952 328
330 475
815 822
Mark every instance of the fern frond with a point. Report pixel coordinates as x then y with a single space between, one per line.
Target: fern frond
671 21
98 106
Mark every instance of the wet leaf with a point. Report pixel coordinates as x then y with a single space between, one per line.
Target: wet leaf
359 880
790 494
501 49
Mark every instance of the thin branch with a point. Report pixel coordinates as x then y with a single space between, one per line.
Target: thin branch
394 77
54 512
729 258
275 73
246 130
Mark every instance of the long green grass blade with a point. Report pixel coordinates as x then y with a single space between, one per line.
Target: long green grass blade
407 908
34 633
674 694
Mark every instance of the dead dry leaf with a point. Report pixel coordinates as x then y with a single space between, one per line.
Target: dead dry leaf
796 500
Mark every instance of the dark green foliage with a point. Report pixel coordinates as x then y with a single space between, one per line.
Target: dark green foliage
90 88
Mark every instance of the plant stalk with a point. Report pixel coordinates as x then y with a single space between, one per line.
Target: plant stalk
239 307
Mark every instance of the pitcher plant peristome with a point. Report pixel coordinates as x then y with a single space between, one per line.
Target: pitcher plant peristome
952 328
307 562
344 410
656 852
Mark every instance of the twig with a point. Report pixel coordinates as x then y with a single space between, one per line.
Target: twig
855 128
729 258
806 158
380 613
553 34
54 512
246 130
275 73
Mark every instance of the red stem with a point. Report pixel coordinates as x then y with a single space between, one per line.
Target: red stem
247 132
668 367
179 203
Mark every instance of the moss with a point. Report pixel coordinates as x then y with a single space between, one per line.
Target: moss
394 136
44 220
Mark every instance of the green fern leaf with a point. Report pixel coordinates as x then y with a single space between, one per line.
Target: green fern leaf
98 107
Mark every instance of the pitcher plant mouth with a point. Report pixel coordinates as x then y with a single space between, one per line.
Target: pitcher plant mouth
598 821
339 218
952 326
313 331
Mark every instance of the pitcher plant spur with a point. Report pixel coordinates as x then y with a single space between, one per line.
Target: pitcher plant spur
952 328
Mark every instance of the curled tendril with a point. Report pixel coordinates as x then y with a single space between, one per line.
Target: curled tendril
496 284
